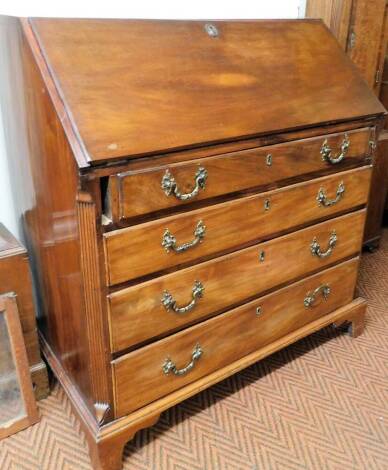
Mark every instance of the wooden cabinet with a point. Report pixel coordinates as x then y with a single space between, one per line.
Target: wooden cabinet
194 212
361 27
335 13
367 39
15 277
367 48
383 147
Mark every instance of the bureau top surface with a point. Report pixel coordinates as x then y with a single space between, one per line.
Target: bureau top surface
134 87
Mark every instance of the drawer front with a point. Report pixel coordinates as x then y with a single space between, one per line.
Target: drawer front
137 251
217 342
147 310
136 193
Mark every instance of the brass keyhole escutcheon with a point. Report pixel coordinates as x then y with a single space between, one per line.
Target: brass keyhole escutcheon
211 30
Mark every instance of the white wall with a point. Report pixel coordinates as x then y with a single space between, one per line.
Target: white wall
174 9
8 214
180 9
12 129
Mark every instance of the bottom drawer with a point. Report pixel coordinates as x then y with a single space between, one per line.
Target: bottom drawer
149 373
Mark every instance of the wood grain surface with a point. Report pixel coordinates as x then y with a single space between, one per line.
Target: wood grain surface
367 25
136 251
137 314
51 226
136 193
335 14
134 87
377 196
226 338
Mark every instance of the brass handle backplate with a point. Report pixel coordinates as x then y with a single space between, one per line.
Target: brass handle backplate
326 151
324 201
169 302
169 241
316 247
170 366
311 297
170 186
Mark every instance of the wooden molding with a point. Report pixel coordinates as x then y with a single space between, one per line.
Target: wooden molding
93 302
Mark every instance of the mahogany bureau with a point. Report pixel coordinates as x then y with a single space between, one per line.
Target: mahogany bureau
200 191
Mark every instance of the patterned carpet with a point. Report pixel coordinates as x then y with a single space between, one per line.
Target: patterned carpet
319 404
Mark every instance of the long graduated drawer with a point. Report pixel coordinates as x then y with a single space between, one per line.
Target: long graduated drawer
164 243
135 193
164 366
162 305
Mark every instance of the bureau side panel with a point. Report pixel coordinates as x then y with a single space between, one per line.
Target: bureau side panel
52 231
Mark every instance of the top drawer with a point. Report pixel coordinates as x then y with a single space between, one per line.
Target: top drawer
140 192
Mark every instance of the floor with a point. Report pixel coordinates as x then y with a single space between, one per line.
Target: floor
319 404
